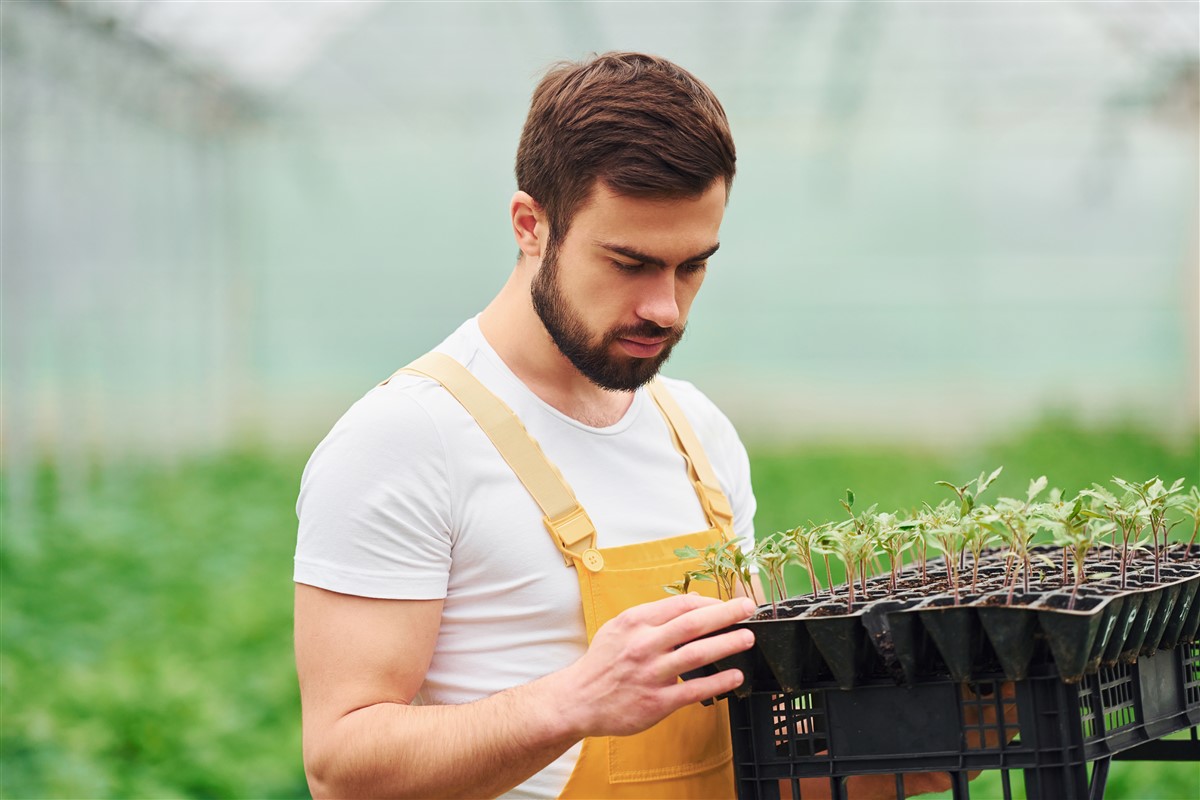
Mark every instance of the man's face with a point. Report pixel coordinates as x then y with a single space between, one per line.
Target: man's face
614 294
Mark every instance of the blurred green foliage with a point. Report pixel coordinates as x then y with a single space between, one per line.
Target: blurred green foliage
147 609
147 633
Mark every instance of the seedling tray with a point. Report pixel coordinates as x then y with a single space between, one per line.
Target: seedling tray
911 638
1043 729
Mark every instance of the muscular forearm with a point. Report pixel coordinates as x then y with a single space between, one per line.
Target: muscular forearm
359 746
478 749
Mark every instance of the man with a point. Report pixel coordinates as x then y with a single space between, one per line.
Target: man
484 537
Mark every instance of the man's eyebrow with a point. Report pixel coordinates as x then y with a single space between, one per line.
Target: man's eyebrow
646 258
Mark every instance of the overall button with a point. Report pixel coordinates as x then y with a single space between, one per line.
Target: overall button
593 560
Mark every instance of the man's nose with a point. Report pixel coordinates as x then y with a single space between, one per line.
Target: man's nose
658 302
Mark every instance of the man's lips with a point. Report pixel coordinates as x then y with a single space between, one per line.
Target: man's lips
643 347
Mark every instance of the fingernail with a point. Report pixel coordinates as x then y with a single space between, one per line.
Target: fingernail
748 606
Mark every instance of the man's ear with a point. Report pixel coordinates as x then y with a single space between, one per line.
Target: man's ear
531 226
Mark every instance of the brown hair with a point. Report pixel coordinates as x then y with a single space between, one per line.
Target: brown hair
642 125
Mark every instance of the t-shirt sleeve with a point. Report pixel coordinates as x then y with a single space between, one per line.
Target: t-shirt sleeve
374 507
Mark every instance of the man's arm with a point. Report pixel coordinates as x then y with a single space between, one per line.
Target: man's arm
360 662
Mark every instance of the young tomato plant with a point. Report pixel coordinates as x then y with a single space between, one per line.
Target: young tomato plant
806 543
940 526
683 585
1010 519
854 543
772 555
968 495
1156 500
715 565
1077 533
893 538
976 538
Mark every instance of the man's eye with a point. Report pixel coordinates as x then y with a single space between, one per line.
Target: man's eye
699 266
621 265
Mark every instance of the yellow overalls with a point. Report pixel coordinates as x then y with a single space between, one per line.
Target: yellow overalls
688 754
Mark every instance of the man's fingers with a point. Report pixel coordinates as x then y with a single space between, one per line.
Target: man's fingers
659 612
684 693
702 621
707 650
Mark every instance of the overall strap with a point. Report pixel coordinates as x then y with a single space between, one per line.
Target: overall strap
715 503
569 525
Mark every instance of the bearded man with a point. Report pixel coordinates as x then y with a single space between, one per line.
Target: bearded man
484 538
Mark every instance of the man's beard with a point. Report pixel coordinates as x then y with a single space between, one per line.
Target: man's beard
594 361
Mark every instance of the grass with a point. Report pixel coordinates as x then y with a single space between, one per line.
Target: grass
147 610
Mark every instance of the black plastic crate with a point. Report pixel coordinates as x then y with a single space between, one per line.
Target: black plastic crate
1046 730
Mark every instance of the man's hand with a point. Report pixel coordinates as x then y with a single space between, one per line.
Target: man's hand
631 670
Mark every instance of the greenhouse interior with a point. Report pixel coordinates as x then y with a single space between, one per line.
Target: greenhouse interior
962 235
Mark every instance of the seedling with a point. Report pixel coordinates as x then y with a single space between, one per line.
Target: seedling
771 555
684 585
893 540
1077 533
1156 500
966 496
853 541
1010 519
716 565
940 525
1126 517
805 542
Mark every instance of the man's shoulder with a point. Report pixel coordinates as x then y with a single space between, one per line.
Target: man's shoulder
402 405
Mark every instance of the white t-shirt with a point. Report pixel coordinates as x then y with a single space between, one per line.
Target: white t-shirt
407 498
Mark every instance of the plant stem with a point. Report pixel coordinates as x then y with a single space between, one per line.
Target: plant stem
1155 534
1012 587
812 574
953 575
1124 557
1154 537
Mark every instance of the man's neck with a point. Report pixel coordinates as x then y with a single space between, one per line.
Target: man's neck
513 329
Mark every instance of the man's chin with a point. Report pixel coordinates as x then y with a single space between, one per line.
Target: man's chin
633 373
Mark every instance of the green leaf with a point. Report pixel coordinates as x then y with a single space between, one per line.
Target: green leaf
1035 488
849 497
686 552
1075 509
